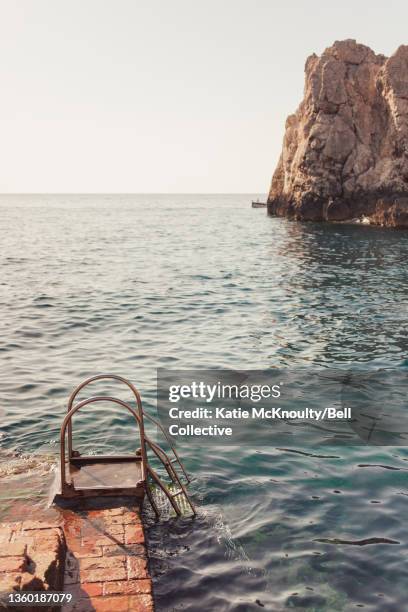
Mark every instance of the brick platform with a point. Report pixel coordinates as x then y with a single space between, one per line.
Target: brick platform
106 565
96 551
32 556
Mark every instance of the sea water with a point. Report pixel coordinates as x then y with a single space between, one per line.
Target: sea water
127 284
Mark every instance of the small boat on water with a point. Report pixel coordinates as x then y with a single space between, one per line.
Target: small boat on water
258 204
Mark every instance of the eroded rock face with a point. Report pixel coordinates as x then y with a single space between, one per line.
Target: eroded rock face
345 150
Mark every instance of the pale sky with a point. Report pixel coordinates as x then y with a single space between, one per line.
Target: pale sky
162 95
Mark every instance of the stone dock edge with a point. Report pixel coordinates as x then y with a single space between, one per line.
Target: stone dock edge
96 552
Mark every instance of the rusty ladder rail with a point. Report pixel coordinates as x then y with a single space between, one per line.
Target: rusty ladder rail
145 442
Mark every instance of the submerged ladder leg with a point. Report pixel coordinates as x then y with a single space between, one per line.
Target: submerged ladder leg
151 500
177 480
178 460
173 475
163 487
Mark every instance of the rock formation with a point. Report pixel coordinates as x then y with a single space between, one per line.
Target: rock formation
345 150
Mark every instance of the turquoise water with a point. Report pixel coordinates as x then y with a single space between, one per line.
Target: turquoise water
126 284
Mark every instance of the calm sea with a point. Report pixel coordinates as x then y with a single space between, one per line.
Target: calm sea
126 284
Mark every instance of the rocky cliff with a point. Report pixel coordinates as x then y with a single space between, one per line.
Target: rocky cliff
345 150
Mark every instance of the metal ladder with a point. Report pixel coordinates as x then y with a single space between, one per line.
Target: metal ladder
146 444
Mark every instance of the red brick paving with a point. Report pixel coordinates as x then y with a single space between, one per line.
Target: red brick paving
31 557
106 567
106 564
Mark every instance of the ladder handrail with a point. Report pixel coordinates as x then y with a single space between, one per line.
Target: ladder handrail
74 409
167 437
142 413
139 415
100 377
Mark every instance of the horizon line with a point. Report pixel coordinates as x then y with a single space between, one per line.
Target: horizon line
127 193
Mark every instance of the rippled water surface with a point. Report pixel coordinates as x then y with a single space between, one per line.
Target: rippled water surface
128 283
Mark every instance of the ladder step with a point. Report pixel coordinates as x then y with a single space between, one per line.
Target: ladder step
177 493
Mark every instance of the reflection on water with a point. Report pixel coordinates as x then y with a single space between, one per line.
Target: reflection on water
126 284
